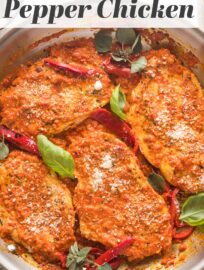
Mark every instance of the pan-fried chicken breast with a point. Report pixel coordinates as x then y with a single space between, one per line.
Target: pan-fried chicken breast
166 114
113 198
43 100
35 207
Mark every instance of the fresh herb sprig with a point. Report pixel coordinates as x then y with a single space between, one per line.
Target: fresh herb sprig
77 259
103 41
157 182
117 102
193 210
55 157
130 42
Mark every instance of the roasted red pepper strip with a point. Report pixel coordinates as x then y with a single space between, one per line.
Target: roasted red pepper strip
167 193
117 70
115 125
173 210
82 71
19 140
173 207
136 147
176 223
183 234
113 253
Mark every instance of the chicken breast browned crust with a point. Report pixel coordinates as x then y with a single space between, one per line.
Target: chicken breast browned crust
35 208
43 100
113 198
166 114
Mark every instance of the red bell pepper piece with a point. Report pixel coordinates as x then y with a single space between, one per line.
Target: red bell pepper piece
19 140
116 70
183 234
113 253
136 146
173 207
176 223
82 71
115 125
173 210
167 193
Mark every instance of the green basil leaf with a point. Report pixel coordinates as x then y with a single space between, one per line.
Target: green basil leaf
117 102
157 182
55 157
103 41
105 266
137 46
125 36
4 150
138 65
193 210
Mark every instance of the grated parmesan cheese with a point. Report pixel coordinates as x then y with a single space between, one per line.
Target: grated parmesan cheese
107 162
97 179
163 117
180 131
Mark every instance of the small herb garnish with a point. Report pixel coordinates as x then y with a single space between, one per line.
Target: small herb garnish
157 182
129 37
55 157
117 102
126 36
103 41
78 258
138 65
193 210
4 150
130 43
